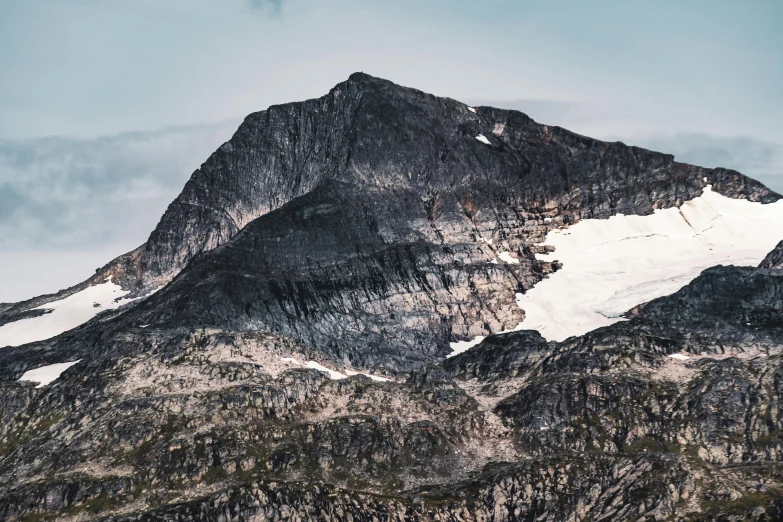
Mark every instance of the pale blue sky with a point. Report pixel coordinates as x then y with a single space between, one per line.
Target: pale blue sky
92 67
104 81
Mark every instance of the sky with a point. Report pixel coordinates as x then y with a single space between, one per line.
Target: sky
107 106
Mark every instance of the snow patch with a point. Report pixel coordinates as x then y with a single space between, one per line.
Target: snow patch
679 356
506 258
462 346
335 375
483 139
351 373
66 314
46 374
332 374
611 265
471 109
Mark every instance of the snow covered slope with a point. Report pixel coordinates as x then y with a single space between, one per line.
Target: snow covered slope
66 314
462 346
611 265
46 374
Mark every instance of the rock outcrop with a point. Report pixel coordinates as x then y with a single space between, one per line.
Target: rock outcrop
774 259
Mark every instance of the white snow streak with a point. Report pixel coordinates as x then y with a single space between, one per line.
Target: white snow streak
373 377
67 313
611 265
332 373
471 109
506 258
679 356
462 346
46 374
483 139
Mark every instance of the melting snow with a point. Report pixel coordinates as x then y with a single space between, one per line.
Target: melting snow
462 346
332 373
506 258
46 374
611 265
66 314
679 356
483 139
373 377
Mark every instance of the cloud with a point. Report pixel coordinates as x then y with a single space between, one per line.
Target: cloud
67 206
63 193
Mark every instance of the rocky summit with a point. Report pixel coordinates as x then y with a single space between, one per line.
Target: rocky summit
328 323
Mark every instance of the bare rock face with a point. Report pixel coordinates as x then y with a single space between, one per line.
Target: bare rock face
362 232
372 133
774 259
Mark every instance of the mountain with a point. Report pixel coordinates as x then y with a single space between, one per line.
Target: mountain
332 321
774 259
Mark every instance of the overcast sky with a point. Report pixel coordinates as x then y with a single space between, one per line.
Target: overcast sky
107 106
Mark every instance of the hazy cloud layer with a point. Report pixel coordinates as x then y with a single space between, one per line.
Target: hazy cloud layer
72 204
60 192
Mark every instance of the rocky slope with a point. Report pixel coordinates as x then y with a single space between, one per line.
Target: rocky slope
774 259
364 231
214 426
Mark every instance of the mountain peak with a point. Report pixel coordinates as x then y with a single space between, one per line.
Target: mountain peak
360 76
287 350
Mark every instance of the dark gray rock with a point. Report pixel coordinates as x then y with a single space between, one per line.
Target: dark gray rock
774 259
